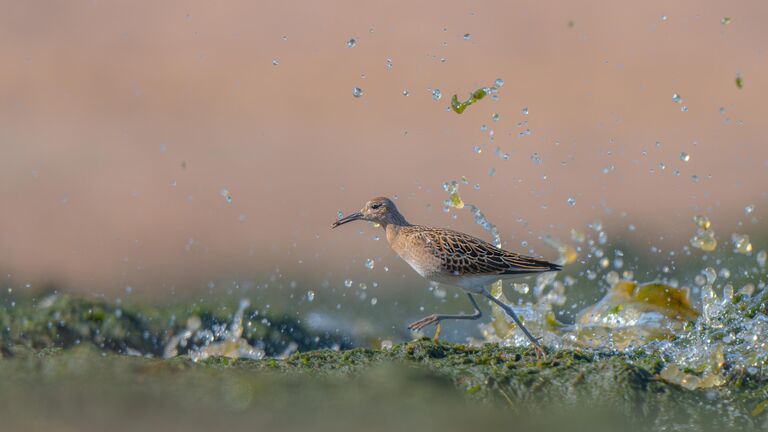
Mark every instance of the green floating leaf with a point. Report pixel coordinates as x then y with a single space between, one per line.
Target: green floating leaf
739 82
459 107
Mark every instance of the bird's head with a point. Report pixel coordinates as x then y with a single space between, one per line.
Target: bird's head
379 210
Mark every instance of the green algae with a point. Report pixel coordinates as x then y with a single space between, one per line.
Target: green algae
67 321
420 382
67 348
459 107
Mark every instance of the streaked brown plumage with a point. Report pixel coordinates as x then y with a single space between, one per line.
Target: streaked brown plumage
450 257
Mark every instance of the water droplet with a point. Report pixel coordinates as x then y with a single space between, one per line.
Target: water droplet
357 92
348 283
749 209
491 172
374 300
369 264
310 296
761 258
684 108
436 94
521 288
275 62
685 157
467 36
705 236
405 92
499 82
676 98
710 274
741 243
536 159
571 201
478 149
225 193
389 64
664 17
525 111
495 117
351 43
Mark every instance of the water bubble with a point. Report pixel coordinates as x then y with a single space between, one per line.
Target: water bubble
749 209
389 64
536 159
348 283
339 214
477 149
491 172
369 264
499 82
467 36
571 201
406 92
351 43
357 92
374 300
685 157
436 94
664 17
725 20
310 296
684 108
275 62
761 258
525 111
495 117
676 98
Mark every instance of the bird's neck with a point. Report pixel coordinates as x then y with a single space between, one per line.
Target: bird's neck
392 231
395 219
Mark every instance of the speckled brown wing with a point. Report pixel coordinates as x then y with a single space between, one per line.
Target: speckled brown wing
461 254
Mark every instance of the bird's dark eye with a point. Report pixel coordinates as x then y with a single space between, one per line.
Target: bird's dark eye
376 206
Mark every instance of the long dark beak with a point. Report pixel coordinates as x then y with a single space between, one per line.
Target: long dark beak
352 217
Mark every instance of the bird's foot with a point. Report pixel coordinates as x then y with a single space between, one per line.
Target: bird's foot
540 354
437 332
427 320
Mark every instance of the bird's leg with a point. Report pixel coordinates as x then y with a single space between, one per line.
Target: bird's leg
511 313
435 318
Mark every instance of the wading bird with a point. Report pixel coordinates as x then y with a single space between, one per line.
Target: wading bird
451 257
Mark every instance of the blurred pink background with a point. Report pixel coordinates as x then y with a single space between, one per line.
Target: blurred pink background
121 122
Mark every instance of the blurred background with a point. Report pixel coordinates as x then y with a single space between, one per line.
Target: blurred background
175 149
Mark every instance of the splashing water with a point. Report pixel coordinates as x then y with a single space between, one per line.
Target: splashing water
701 345
222 342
